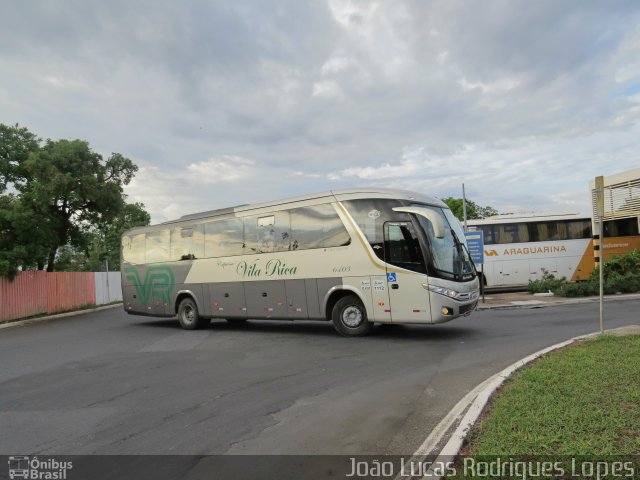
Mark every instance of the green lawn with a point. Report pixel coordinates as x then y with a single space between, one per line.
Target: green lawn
576 406
582 400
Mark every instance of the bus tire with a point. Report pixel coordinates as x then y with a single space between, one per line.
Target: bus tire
188 315
350 317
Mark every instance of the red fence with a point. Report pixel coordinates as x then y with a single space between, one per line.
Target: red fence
36 293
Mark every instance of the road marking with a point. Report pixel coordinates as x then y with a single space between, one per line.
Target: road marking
178 342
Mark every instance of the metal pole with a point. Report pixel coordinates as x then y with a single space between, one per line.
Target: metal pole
106 262
464 208
601 275
599 187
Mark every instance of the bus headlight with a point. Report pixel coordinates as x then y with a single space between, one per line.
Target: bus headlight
447 292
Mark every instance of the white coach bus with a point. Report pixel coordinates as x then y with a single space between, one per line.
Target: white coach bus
521 248
355 257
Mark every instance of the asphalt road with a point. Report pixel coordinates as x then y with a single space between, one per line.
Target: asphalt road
109 383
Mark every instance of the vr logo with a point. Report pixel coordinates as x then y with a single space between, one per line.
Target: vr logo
158 283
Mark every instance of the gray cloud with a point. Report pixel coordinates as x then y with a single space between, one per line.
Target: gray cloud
522 101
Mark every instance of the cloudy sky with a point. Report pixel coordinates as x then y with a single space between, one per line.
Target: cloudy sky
228 102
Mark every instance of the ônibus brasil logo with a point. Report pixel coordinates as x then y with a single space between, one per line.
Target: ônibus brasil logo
21 466
158 283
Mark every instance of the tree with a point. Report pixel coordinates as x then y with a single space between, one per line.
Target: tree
73 188
60 194
102 243
16 143
70 259
24 236
474 210
105 240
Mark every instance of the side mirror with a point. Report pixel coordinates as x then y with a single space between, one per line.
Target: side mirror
439 227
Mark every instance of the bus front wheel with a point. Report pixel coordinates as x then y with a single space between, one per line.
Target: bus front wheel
188 315
350 317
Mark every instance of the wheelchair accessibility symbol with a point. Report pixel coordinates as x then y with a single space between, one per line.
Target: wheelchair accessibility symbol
391 277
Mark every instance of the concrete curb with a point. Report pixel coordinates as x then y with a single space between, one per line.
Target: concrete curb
28 321
544 304
473 404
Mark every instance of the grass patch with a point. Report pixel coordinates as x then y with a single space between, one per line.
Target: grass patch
574 413
582 400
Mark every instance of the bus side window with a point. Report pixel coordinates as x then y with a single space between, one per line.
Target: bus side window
267 233
623 227
552 231
279 233
512 233
125 248
187 243
306 225
250 235
505 233
534 232
562 230
370 215
401 247
318 226
133 247
580 229
334 233
224 238
489 237
157 246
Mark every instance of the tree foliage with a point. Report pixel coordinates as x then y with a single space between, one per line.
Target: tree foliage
474 211
22 240
16 143
62 194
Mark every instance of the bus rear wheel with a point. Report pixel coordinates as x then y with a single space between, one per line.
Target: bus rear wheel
188 315
350 317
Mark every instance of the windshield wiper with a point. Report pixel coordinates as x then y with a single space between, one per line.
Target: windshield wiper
462 248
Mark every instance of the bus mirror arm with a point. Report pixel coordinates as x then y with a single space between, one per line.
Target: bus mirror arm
433 217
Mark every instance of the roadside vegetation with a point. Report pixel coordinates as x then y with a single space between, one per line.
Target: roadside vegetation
474 210
62 205
621 275
583 401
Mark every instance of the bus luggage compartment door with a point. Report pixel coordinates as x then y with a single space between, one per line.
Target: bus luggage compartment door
297 298
266 299
227 300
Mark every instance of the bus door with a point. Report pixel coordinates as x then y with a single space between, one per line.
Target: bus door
408 299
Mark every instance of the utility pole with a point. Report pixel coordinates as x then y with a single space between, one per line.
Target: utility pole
599 191
464 208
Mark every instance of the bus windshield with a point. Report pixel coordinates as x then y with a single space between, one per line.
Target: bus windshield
449 255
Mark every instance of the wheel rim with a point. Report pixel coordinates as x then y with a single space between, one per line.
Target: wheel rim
188 314
352 316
